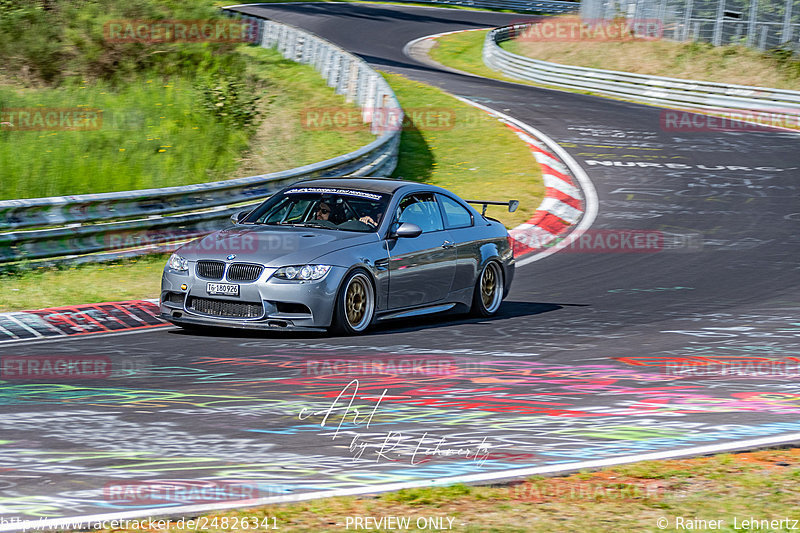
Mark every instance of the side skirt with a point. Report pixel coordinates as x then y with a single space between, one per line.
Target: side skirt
418 311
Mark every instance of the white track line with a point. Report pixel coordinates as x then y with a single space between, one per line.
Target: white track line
192 510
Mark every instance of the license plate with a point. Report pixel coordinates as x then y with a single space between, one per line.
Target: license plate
226 289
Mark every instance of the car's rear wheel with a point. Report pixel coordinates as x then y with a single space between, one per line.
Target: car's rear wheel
488 290
355 304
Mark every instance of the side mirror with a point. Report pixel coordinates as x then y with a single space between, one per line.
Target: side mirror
236 218
407 230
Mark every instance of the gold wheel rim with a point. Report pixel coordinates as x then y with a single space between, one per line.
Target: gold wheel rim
356 302
488 286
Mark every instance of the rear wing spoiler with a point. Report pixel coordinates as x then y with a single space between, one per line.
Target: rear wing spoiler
511 204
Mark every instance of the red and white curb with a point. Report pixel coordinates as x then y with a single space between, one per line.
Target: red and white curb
73 320
561 208
570 204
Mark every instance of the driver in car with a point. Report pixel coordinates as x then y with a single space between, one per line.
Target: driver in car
323 211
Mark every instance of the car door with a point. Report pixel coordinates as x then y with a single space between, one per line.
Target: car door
422 268
460 224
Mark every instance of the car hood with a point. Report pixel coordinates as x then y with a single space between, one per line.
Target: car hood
272 246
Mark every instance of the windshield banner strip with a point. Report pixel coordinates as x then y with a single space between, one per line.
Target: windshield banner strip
347 192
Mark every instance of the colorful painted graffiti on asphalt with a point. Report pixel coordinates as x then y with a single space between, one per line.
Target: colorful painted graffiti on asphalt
280 416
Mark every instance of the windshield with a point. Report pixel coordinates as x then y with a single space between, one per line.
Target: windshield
324 207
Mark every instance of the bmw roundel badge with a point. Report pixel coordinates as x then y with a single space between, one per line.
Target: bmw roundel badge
231 257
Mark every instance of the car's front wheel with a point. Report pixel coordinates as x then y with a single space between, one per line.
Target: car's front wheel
488 290
355 304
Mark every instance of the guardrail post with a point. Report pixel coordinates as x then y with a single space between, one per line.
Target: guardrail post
281 44
323 61
361 85
342 71
370 98
333 74
488 49
304 51
312 51
354 81
287 40
378 113
291 46
260 36
272 34
299 48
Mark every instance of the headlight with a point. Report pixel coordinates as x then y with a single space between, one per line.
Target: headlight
303 272
177 262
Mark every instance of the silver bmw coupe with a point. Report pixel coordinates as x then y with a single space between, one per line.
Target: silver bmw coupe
341 254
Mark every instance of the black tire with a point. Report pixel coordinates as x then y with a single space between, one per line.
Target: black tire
355 304
488 293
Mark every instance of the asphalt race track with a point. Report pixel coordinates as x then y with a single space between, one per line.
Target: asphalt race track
594 355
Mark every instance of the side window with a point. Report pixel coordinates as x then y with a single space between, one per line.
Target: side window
420 209
277 213
455 215
286 211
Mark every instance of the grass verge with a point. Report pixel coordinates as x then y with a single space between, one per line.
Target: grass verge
437 146
463 51
130 279
284 139
159 112
153 133
675 495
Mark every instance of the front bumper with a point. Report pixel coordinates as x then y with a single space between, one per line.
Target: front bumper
273 325
266 303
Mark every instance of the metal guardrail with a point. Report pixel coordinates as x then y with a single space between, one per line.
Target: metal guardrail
669 92
523 6
117 222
